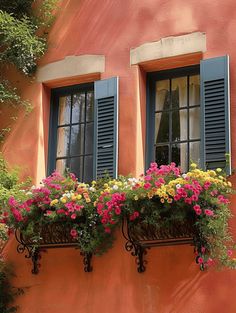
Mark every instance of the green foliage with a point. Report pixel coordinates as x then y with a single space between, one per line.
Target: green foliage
23 26
7 292
20 46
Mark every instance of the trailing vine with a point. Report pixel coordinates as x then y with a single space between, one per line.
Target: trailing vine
24 25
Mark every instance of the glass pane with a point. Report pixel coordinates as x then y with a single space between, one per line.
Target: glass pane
77 140
194 90
64 110
61 165
78 108
179 125
161 127
76 167
89 138
194 123
88 169
89 106
194 152
162 95
63 134
162 155
179 92
180 155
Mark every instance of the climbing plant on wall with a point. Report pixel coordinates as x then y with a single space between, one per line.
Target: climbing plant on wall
24 26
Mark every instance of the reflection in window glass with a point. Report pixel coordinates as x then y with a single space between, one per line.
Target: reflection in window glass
75 130
177 120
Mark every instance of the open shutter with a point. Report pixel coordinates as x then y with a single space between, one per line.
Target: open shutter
215 113
106 127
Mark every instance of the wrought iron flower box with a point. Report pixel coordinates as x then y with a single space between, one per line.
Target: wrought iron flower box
141 236
53 235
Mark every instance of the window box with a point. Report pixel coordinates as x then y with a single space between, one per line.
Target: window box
169 229
48 236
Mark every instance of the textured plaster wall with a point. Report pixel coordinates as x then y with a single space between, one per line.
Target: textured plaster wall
172 282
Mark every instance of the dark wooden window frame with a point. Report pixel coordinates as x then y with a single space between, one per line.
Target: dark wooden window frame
152 78
53 122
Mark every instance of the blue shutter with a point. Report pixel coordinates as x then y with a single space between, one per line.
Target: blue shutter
106 127
215 113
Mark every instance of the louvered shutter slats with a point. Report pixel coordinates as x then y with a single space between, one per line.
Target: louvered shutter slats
215 134
106 121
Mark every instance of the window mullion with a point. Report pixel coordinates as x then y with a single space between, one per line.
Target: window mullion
170 123
188 144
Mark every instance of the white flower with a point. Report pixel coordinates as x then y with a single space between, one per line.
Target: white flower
92 189
184 175
115 187
29 193
178 186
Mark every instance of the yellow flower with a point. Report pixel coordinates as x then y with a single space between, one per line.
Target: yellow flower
55 201
218 170
193 165
105 185
78 197
95 203
136 198
229 184
73 198
94 182
87 200
63 200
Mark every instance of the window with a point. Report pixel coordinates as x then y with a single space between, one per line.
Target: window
83 129
73 127
188 115
177 117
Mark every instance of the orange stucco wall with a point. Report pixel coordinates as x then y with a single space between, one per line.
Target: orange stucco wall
172 282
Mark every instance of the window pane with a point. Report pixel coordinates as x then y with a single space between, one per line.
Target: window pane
194 150
194 123
77 140
179 92
61 165
162 127
162 95
194 90
63 134
89 138
64 110
179 125
89 106
76 167
162 155
180 155
88 169
78 108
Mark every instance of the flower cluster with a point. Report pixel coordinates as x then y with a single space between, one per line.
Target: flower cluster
160 196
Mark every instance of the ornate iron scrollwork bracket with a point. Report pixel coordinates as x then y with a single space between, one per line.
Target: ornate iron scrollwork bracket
140 238
31 251
48 242
136 250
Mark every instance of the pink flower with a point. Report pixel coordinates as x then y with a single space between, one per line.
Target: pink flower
209 212
147 185
74 233
118 210
107 230
229 252
200 260
148 177
197 209
73 216
210 262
